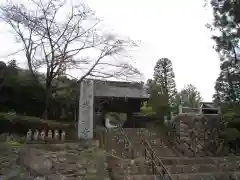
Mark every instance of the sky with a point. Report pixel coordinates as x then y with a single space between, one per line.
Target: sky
165 28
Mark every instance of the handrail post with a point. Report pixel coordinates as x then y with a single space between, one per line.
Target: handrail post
132 152
100 139
145 151
152 157
180 109
219 110
106 138
201 109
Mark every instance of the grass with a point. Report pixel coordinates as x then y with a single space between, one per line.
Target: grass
14 143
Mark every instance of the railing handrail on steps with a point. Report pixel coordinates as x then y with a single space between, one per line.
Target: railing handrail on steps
127 139
153 154
198 110
148 150
124 135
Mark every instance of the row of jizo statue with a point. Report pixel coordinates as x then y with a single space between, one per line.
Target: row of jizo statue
46 135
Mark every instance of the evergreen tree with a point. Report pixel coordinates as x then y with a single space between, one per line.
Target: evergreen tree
164 78
227 85
189 96
226 28
227 25
158 101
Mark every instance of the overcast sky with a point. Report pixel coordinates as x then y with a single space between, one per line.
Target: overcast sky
166 28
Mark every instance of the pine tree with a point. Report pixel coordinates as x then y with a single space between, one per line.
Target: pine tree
164 78
227 85
226 24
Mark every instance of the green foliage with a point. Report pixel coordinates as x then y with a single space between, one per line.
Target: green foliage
164 78
226 21
231 114
226 28
189 96
14 123
159 102
231 134
20 93
231 111
162 91
227 85
148 111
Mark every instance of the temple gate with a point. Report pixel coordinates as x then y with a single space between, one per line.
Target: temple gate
100 97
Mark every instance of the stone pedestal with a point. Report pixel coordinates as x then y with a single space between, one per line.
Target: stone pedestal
86 110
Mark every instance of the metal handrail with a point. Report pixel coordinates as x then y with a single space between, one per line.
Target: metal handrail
150 152
125 136
127 139
153 154
154 162
196 110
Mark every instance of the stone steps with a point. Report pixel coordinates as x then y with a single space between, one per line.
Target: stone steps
182 172
199 160
180 168
128 167
138 177
117 144
154 140
122 167
208 176
199 168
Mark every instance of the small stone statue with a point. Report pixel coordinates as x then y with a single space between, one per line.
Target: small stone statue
63 135
35 135
50 135
42 135
113 151
56 134
29 135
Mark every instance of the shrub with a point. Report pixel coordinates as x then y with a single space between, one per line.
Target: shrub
231 134
20 124
148 111
233 124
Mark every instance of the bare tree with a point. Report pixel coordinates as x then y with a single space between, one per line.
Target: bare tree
58 36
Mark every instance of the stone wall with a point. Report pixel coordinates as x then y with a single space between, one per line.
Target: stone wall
197 135
65 161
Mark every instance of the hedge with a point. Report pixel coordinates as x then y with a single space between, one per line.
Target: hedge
233 124
230 134
20 124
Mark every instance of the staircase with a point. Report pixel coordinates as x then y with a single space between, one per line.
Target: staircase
147 157
130 156
142 154
160 146
201 168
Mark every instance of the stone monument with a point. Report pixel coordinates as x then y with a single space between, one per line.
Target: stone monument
85 121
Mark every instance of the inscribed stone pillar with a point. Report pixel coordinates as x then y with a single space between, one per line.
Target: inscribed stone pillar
85 119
